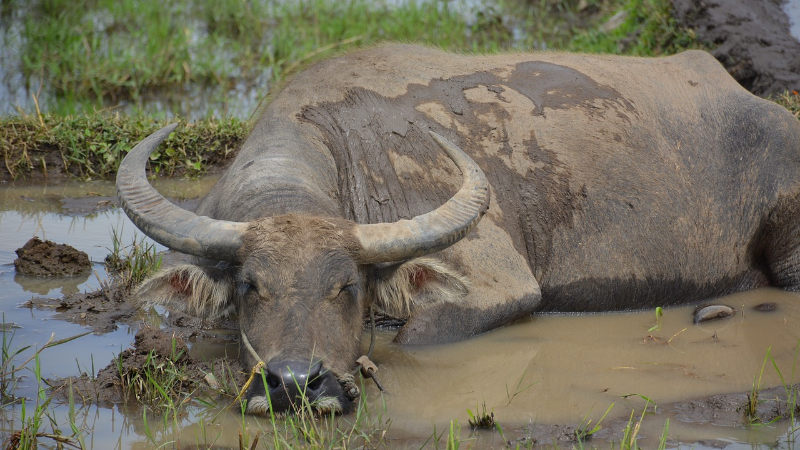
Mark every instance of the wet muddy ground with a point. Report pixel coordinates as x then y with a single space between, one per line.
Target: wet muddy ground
758 42
540 377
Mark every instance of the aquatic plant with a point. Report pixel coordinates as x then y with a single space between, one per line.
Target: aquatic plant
131 264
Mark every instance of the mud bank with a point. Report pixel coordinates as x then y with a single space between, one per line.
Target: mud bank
153 350
751 38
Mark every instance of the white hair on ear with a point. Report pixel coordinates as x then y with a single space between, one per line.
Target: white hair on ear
188 288
396 295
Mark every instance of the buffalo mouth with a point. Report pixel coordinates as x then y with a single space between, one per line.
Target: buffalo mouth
295 386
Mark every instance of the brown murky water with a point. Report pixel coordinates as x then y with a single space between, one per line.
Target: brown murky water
554 369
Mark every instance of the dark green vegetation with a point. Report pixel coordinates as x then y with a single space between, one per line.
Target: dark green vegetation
93 145
639 28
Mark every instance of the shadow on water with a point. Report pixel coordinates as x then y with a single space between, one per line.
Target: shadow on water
550 369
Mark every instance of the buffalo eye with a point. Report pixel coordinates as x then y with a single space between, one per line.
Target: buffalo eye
244 288
348 291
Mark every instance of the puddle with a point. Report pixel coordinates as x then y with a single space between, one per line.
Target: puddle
552 369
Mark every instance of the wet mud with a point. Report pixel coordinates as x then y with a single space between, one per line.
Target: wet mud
152 348
47 259
751 38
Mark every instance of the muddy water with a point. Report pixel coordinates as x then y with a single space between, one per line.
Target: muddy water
546 370
564 367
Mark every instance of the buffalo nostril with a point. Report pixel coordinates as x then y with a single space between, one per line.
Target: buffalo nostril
289 381
315 377
273 380
315 383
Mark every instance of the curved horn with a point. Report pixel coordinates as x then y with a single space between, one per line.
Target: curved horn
433 231
166 223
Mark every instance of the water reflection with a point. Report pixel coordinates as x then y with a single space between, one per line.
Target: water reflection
49 286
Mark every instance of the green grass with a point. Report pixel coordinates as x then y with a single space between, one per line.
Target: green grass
88 53
34 416
131 264
93 145
157 382
647 28
790 101
85 55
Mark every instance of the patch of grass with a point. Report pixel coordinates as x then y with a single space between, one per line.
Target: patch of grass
751 408
92 146
482 419
157 381
638 27
789 100
34 417
112 51
305 428
132 264
631 432
792 405
453 440
8 380
584 432
9 371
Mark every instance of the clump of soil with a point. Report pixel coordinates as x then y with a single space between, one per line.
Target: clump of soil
750 38
102 310
153 350
46 258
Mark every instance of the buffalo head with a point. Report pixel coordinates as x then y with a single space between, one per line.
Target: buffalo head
299 283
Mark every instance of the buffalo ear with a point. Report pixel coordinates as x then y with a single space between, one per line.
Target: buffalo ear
399 289
198 291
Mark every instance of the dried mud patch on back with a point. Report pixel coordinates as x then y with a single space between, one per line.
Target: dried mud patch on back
46 258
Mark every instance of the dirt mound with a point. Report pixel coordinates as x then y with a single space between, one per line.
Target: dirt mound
102 310
750 38
46 258
155 358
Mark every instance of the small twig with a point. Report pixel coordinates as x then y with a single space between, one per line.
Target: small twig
36 103
102 286
669 342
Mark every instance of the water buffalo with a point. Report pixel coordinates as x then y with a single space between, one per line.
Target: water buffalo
612 183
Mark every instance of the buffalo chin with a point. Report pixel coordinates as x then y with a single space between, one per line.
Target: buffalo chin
260 406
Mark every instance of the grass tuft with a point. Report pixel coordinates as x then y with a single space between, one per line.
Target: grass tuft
789 100
132 264
482 419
